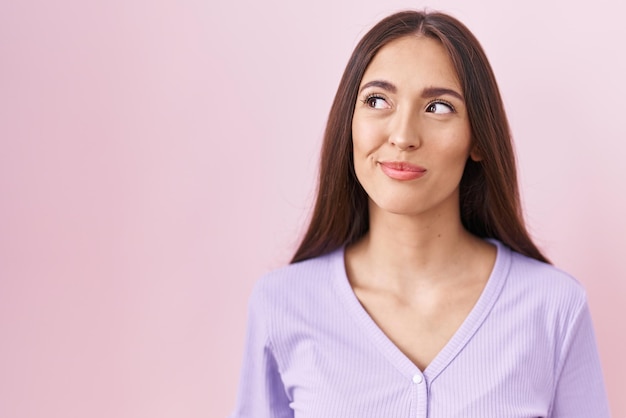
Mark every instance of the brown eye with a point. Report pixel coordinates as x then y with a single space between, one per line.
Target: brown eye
439 107
376 102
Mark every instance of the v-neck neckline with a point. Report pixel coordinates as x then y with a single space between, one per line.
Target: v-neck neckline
461 337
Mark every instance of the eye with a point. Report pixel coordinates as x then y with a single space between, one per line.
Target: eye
376 102
440 107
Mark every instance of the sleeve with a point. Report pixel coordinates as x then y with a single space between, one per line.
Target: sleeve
261 391
580 391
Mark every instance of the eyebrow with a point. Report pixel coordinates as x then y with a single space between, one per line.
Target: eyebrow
440 91
428 92
385 85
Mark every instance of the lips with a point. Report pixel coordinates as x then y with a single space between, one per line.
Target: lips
400 170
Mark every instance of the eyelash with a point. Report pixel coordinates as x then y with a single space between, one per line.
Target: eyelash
369 97
443 102
372 96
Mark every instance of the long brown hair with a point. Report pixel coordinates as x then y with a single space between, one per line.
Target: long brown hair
489 196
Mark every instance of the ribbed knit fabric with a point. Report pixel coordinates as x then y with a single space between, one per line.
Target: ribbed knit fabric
527 349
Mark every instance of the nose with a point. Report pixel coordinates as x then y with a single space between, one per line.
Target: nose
404 132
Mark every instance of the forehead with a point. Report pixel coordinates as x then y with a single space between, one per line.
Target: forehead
413 60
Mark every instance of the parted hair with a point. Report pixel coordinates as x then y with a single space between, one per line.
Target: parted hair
489 194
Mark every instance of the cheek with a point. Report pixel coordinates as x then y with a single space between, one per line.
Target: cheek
455 144
366 139
451 155
363 150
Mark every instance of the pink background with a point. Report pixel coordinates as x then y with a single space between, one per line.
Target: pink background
157 156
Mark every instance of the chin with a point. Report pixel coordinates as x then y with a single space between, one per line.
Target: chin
397 207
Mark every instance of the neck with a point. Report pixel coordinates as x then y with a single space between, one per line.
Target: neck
412 251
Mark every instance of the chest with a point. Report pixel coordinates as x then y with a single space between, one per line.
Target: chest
348 371
420 326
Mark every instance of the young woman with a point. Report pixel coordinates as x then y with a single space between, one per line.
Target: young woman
417 291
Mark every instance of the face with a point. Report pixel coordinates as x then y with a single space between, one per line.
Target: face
410 129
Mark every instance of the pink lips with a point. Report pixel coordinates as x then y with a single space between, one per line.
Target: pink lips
402 170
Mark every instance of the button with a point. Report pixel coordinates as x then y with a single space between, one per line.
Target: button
418 378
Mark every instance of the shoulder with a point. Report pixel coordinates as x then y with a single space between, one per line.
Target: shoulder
544 286
547 303
544 275
298 282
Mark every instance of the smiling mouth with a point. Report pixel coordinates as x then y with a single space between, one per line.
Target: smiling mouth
403 171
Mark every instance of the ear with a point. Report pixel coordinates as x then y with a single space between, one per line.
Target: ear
475 154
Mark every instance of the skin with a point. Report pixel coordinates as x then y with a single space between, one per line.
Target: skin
417 272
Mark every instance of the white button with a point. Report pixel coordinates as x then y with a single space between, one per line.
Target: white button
418 378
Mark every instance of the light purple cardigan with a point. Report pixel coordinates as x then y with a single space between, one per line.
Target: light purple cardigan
527 349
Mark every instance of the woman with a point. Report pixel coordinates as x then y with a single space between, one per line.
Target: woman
417 291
